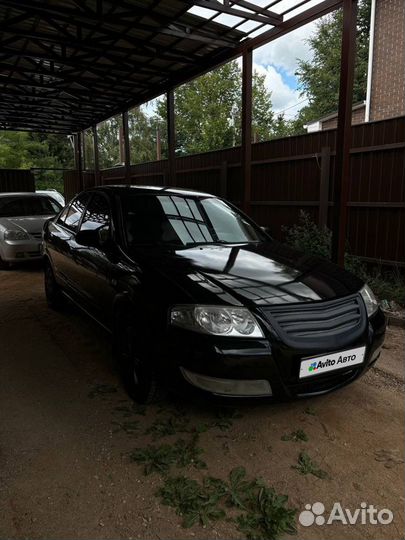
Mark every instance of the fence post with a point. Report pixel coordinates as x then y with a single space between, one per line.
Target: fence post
324 187
126 149
171 138
77 140
223 180
97 176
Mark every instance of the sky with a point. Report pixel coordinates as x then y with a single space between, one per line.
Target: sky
278 60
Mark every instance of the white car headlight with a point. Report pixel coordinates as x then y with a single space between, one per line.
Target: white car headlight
369 299
16 235
216 320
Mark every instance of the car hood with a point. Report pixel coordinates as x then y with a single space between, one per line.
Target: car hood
30 224
259 274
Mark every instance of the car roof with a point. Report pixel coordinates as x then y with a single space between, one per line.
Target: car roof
22 194
122 189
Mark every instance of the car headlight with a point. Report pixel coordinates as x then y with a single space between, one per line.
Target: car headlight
16 235
216 320
369 299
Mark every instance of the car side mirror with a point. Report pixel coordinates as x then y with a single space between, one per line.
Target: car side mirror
89 238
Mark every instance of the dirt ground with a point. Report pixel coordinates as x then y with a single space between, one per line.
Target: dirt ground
65 470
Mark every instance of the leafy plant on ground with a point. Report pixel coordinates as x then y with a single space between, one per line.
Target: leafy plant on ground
310 410
307 466
196 503
129 426
162 427
224 418
101 390
161 458
130 410
268 517
265 514
298 435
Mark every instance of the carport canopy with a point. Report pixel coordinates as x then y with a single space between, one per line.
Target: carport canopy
66 65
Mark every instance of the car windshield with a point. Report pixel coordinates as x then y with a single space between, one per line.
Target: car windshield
14 206
184 221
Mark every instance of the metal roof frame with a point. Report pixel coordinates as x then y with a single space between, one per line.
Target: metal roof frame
68 65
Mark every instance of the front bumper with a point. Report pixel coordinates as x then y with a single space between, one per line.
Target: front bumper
20 250
258 368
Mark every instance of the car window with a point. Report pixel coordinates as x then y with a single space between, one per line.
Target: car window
97 214
41 206
72 214
11 207
28 206
184 221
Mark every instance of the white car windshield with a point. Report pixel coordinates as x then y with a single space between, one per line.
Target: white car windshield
14 206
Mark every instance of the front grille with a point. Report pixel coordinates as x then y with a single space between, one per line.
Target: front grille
37 235
318 322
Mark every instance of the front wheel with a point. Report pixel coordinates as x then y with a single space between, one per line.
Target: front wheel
4 265
135 367
53 292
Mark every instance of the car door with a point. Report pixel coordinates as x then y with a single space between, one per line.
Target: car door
61 243
97 266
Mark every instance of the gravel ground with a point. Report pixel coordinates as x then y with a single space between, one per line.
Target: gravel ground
65 437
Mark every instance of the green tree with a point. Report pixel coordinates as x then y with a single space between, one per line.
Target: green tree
319 77
208 111
108 133
43 152
144 131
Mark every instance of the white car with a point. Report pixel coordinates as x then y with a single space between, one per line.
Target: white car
22 217
54 194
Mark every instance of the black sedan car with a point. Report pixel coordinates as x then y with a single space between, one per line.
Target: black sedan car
198 297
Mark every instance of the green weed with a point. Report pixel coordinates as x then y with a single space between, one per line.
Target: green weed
129 426
298 435
224 418
307 466
310 410
161 458
101 390
163 427
263 513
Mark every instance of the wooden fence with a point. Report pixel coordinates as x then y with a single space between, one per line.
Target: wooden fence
296 173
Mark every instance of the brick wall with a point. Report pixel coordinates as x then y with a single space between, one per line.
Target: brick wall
357 118
388 82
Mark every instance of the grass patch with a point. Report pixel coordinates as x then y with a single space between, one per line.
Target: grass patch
298 435
263 514
161 458
307 466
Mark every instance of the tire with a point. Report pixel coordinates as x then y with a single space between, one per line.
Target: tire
136 370
53 292
4 265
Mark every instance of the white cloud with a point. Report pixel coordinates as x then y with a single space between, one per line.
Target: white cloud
282 96
285 51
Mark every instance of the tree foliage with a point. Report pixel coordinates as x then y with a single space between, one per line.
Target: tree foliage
208 111
319 77
26 150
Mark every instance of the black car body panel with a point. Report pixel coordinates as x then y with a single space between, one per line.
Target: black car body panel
305 306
